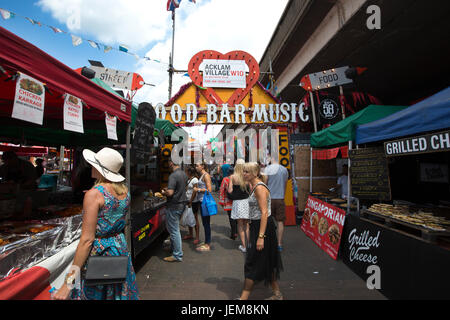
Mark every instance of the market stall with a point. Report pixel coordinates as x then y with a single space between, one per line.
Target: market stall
409 234
148 210
325 211
34 90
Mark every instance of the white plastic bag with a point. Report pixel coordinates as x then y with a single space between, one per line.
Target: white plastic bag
188 219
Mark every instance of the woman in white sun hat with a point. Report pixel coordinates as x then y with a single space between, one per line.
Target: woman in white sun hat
104 212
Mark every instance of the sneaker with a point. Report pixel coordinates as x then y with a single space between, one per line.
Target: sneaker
241 247
276 296
171 259
280 248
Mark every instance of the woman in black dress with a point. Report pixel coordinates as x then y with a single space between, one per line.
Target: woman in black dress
263 260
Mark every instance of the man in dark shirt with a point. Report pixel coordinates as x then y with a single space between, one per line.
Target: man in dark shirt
176 202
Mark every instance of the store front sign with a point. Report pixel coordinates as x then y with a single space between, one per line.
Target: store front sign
212 114
325 79
420 144
323 223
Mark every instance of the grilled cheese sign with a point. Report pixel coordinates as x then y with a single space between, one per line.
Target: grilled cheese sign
421 144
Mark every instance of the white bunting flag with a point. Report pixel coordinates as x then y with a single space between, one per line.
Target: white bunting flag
76 41
73 114
6 14
56 30
29 100
93 44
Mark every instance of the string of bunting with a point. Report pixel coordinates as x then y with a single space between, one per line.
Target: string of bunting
76 40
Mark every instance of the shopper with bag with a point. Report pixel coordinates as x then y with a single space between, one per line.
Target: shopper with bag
102 243
203 190
193 206
227 204
176 202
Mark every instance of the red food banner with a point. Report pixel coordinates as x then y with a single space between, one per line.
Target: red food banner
323 223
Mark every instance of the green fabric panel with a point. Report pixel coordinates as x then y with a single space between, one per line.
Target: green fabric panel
344 130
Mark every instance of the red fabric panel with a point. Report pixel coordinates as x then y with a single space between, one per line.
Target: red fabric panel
326 154
26 285
18 55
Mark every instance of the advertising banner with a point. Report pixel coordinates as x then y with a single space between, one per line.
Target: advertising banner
111 127
73 114
29 100
224 73
323 223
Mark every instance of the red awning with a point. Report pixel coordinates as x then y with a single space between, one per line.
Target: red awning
18 55
328 154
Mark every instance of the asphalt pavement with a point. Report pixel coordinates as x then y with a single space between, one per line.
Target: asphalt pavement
309 273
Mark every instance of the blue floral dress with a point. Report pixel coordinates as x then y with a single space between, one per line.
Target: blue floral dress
111 221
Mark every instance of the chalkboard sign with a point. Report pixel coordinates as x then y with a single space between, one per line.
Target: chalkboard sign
369 174
143 134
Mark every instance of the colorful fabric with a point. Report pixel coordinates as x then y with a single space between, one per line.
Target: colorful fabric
111 221
224 201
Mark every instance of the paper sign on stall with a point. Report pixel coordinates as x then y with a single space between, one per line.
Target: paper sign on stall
111 127
29 100
73 114
323 223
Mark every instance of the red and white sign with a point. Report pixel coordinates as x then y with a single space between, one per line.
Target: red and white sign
323 223
73 114
29 100
224 73
111 127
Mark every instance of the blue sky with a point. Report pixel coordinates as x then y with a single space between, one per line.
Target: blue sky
60 45
146 27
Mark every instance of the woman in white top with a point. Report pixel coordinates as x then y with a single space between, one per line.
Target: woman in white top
263 260
193 202
238 192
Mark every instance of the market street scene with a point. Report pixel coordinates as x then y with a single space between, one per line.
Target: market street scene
204 151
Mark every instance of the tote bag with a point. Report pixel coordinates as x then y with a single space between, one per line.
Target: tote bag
209 206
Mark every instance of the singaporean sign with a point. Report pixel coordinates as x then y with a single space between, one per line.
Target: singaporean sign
323 223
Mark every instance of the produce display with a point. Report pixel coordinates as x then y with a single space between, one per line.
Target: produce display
423 217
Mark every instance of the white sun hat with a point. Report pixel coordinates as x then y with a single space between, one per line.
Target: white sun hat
107 161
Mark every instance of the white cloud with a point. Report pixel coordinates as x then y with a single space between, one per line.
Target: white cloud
221 25
133 22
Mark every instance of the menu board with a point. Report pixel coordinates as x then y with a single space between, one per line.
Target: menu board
143 134
369 174
323 223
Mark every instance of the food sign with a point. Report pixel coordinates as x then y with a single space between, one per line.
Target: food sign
73 114
29 100
323 223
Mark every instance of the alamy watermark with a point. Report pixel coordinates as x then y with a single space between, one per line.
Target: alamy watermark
235 142
374 20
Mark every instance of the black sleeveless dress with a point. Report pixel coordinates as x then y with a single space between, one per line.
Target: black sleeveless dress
264 265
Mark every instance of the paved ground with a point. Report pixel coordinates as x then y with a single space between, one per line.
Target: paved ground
309 273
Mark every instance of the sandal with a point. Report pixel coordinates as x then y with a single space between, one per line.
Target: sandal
188 237
196 241
203 248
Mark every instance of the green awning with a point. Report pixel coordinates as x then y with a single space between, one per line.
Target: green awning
345 130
